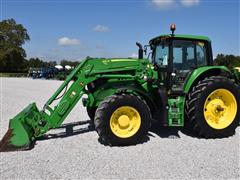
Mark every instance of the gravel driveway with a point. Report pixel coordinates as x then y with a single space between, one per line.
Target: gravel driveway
77 154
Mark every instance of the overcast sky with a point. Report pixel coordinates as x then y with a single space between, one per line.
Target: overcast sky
71 29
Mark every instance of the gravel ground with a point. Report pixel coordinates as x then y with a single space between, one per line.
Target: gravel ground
167 154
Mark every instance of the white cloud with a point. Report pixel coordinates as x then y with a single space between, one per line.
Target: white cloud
134 55
101 28
65 41
189 3
170 4
164 4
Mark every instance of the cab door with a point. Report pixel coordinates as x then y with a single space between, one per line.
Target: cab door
186 55
161 57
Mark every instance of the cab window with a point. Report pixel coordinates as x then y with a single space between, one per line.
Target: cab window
183 55
161 55
201 54
188 54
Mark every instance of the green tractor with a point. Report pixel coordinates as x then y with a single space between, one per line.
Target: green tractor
177 86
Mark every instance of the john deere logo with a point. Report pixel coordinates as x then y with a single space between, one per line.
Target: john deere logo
106 62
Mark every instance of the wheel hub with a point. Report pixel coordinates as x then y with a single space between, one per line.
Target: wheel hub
216 107
220 109
125 122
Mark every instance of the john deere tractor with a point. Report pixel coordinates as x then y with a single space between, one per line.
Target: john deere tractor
176 86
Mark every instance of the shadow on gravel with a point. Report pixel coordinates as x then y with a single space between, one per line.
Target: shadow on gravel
143 140
170 132
156 130
69 130
165 132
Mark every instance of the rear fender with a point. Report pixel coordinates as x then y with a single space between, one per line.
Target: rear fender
204 72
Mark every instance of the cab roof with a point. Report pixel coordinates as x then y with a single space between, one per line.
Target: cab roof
180 36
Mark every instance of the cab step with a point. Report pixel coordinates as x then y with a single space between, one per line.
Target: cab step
176 111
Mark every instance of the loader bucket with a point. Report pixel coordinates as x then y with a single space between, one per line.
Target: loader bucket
20 134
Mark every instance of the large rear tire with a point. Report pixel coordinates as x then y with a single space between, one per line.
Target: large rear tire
213 107
122 120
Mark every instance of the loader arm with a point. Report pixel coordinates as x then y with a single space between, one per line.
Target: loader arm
31 123
85 73
54 116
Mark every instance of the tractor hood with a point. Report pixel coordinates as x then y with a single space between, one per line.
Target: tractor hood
96 66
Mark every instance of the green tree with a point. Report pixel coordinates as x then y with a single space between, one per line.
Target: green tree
51 63
227 60
38 63
35 63
70 63
12 37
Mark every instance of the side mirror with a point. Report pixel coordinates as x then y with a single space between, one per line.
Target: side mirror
145 49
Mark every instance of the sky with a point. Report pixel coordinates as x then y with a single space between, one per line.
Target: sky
72 30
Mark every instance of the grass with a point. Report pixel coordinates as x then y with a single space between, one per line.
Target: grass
13 74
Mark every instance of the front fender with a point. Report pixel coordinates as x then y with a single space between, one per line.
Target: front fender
109 88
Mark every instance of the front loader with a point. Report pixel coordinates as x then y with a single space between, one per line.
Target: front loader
177 86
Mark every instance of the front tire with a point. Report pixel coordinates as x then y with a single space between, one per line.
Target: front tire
213 107
122 120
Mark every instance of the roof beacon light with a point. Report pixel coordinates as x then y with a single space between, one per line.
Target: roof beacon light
172 28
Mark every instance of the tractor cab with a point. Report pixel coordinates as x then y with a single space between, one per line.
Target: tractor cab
176 56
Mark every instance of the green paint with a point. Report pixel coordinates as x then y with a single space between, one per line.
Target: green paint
21 126
200 71
176 111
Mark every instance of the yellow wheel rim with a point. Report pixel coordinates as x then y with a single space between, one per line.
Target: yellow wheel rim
125 122
220 109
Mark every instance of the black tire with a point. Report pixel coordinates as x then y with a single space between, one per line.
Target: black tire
194 109
108 107
91 112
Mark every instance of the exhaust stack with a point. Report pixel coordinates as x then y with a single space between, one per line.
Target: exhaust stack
140 50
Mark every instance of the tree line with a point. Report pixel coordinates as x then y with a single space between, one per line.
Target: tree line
227 60
13 57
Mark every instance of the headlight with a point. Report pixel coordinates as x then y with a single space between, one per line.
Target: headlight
145 78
